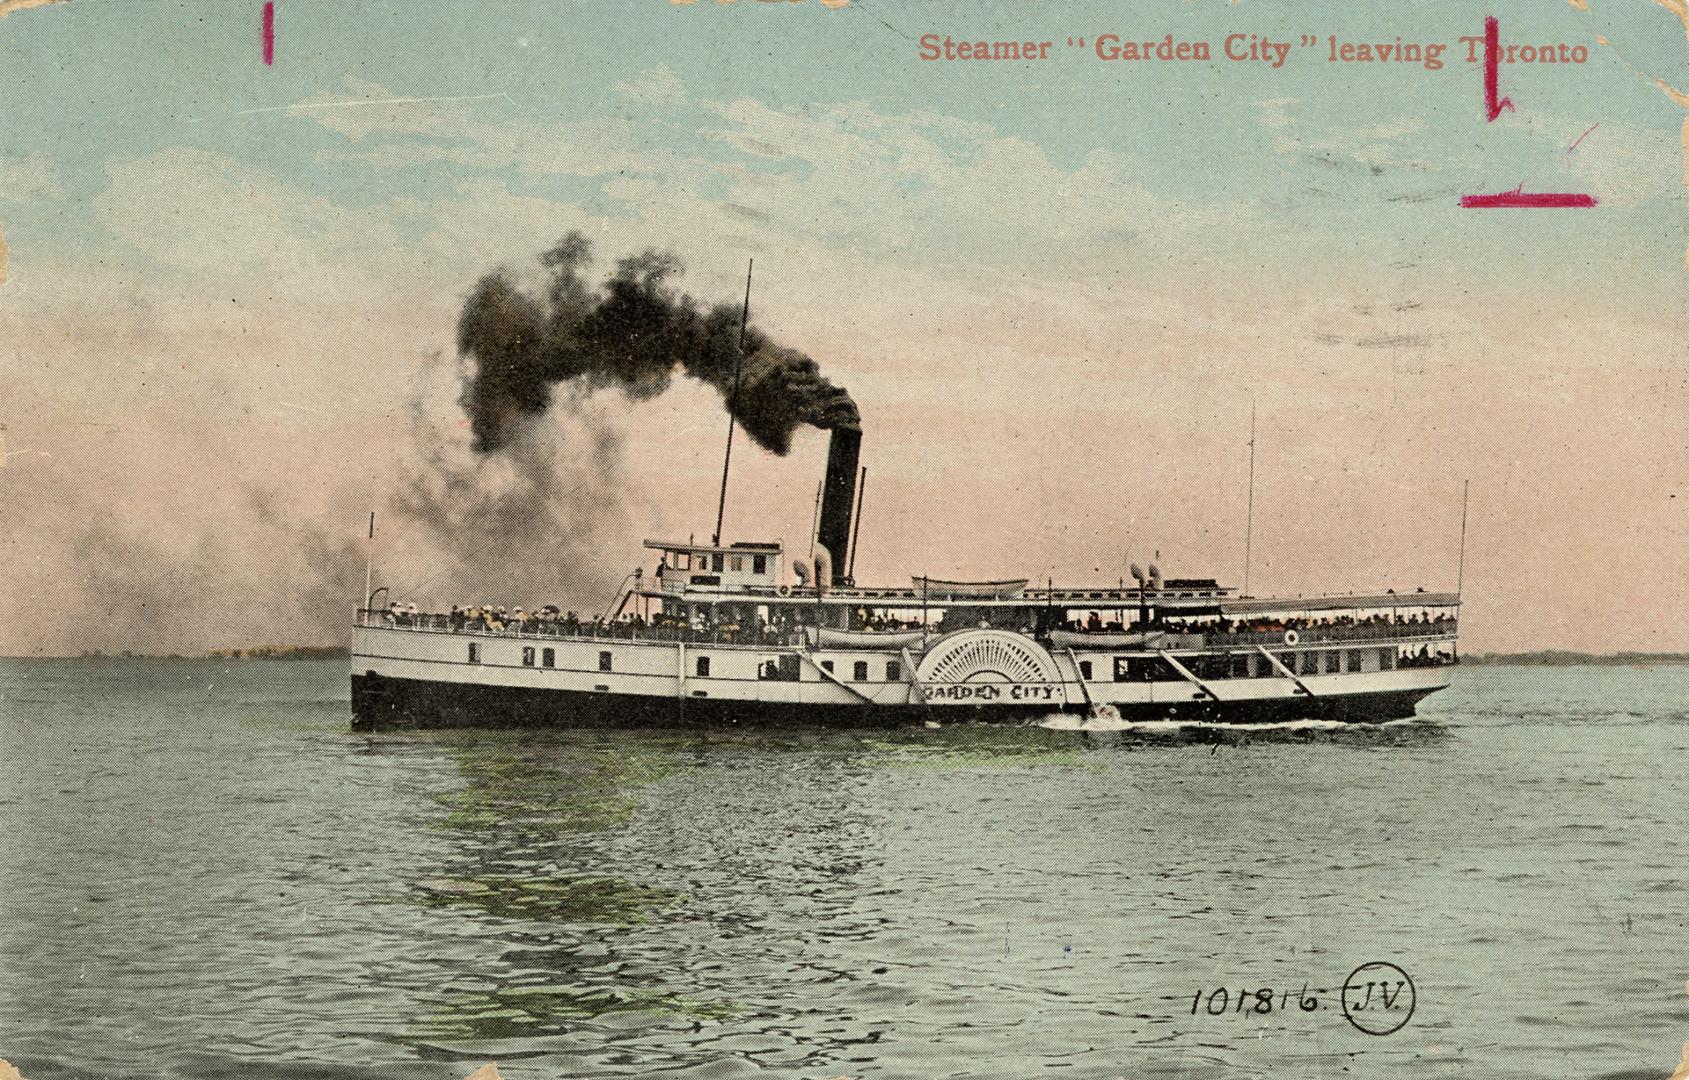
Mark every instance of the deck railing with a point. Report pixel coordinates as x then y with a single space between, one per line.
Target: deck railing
754 637
1313 635
429 623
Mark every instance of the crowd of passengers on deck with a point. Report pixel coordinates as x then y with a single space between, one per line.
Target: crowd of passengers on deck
779 628
1419 622
554 621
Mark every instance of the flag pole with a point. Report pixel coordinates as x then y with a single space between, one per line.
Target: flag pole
1460 572
733 401
369 560
1249 521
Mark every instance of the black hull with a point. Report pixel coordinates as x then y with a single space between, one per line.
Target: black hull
382 702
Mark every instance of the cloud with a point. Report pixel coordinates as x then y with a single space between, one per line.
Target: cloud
961 280
657 86
1373 147
225 223
30 177
927 188
917 185
1274 112
485 132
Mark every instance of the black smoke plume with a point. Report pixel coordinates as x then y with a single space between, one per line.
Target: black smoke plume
632 333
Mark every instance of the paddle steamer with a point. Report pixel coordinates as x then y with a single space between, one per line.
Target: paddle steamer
744 633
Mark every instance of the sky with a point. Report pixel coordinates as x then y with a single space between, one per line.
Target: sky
1055 289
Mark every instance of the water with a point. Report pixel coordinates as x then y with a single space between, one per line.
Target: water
206 874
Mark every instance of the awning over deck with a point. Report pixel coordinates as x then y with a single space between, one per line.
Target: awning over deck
1366 602
740 547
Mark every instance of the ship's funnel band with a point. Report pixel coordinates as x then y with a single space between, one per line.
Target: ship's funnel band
838 496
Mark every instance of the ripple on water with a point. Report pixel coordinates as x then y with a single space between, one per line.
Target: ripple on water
226 881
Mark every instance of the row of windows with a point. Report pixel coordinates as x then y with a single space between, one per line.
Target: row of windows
547 657
718 562
859 670
773 670
1126 668
1241 665
701 665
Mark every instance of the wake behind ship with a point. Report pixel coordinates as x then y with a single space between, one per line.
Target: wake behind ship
739 633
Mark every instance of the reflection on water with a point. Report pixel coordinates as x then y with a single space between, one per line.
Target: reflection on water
222 880
969 746
526 796
545 781
548 899
537 1012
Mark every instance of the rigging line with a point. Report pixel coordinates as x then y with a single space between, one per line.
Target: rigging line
732 403
1249 521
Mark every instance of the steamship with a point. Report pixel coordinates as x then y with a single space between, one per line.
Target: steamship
746 632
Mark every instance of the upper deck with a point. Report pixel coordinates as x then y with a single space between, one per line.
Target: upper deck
717 574
714 574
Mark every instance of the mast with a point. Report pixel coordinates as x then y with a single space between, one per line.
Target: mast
1249 521
1460 573
815 527
369 559
861 489
738 361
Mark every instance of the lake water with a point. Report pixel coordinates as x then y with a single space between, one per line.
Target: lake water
205 873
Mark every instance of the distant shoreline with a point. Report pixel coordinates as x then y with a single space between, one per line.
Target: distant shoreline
1563 658
1540 658
256 652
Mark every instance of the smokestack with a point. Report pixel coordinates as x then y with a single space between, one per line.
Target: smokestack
838 495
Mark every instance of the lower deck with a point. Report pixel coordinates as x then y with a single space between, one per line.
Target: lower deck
405 676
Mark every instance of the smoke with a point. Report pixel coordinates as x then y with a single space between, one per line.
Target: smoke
264 577
244 544
632 334
202 535
527 525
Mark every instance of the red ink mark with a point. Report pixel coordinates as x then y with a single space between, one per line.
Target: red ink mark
269 31
1581 138
1517 199
1492 63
